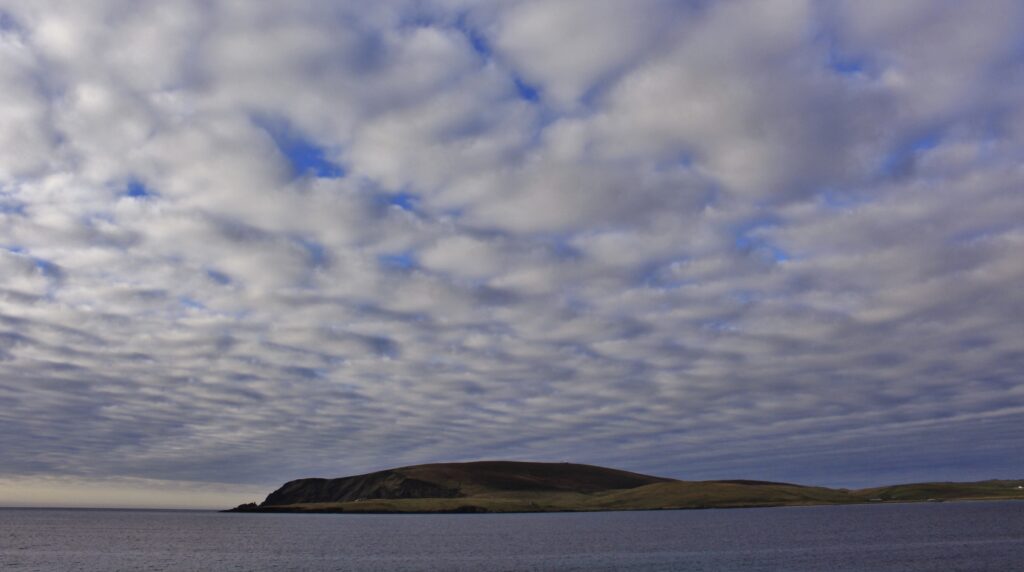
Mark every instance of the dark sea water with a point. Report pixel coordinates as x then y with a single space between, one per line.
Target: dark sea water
969 536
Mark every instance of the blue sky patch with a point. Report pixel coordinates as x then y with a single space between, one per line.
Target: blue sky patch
190 303
476 40
927 142
306 157
762 246
8 206
847 65
218 277
837 59
405 201
564 249
746 240
315 252
137 190
48 269
900 160
526 91
398 261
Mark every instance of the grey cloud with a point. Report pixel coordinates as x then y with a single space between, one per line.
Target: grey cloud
749 239
570 49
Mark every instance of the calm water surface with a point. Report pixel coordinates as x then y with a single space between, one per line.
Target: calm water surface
974 536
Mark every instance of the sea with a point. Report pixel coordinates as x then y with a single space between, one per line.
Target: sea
968 536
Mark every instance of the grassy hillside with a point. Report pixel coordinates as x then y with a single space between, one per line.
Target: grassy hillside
945 491
708 494
503 486
662 495
489 476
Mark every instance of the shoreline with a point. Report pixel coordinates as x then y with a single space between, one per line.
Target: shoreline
480 510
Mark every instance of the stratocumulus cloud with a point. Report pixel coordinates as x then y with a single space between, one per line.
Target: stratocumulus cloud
242 242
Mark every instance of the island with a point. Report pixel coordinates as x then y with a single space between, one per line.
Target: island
515 486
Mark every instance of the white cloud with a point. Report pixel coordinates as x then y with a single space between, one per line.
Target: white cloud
750 230
569 47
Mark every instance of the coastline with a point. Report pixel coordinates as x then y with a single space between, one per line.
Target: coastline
469 509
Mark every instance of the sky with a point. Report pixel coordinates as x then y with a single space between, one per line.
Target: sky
247 242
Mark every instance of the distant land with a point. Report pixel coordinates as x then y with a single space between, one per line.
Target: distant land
512 486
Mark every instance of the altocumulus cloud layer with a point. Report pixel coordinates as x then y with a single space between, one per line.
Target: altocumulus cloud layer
244 242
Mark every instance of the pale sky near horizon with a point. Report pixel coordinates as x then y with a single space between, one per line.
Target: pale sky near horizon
247 242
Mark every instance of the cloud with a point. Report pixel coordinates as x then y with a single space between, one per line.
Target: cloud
569 49
242 244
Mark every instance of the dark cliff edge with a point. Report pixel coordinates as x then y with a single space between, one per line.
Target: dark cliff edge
510 486
390 484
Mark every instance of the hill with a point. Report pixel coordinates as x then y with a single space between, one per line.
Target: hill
981 490
507 486
458 480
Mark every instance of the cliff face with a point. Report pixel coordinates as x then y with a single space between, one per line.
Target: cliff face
380 485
